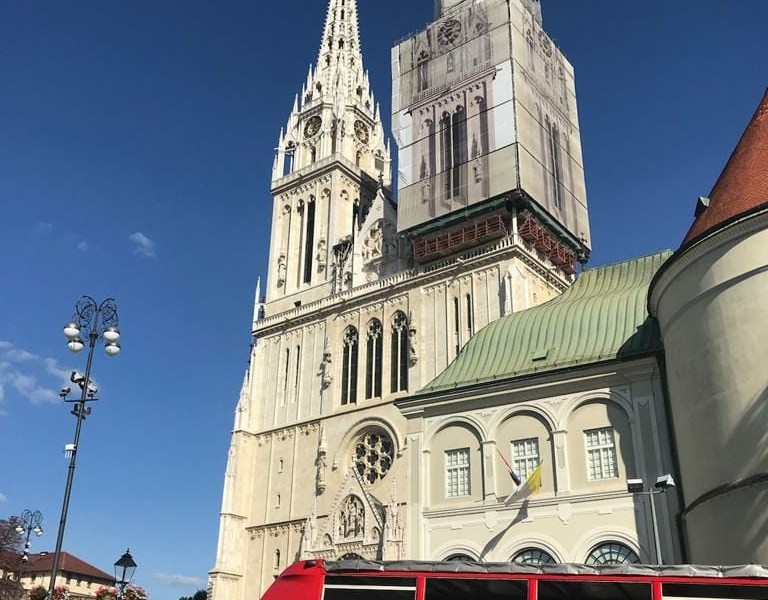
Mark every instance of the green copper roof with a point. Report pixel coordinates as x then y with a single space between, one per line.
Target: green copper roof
602 316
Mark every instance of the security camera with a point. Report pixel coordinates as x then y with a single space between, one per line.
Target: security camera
77 378
634 486
664 481
64 391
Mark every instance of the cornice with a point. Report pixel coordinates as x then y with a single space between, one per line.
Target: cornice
687 255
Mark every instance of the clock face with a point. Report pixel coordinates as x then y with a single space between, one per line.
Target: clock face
361 131
449 33
312 126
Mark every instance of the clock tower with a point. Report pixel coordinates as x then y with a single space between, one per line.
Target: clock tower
333 222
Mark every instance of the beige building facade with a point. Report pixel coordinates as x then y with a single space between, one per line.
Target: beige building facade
407 355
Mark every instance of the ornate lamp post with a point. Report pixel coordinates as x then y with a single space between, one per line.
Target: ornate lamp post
93 322
30 522
124 569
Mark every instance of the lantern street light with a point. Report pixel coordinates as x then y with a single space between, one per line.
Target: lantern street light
91 322
29 522
124 569
637 487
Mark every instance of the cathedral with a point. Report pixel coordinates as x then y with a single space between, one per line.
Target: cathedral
435 375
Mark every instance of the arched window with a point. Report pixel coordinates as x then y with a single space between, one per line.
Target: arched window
290 151
351 556
421 70
612 553
399 349
349 367
373 360
276 564
309 238
533 556
373 457
460 558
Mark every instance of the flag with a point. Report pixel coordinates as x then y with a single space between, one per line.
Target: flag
512 473
531 486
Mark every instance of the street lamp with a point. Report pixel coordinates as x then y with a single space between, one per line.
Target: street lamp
30 522
124 569
92 322
637 487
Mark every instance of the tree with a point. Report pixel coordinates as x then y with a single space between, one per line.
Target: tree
199 595
11 542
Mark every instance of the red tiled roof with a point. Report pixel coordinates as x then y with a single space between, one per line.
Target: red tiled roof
68 563
743 184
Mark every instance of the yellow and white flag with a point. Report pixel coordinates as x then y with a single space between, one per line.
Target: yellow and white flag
531 486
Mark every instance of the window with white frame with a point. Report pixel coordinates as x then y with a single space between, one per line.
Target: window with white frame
525 456
601 453
457 473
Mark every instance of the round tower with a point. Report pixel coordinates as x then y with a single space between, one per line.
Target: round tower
711 300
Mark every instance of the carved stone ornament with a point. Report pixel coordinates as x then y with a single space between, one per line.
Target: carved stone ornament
326 367
351 518
281 268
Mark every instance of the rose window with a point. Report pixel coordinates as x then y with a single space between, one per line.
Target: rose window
373 456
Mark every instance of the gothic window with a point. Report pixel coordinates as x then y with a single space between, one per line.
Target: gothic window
312 155
276 564
457 473
421 70
470 322
399 353
456 326
351 518
309 238
525 456
290 151
601 453
358 156
341 44
285 374
555 161
374 453
533 556
453 144
373 360
450 66
612 553
297 374
349 367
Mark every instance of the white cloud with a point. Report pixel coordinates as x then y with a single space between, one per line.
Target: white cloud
142 245
168 579
3 497
29 375
42 227
82 246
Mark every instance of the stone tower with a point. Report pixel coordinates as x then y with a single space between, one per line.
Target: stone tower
710 302
364 306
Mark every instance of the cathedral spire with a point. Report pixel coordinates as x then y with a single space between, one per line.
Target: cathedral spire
340 46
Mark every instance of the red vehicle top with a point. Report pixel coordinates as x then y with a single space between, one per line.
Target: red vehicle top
419 580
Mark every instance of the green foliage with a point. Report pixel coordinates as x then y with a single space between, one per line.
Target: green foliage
199 595
38 593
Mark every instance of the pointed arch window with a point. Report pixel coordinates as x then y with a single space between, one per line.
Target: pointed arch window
309 239
349 367
373 360
399 353
454 147
290 151
421 70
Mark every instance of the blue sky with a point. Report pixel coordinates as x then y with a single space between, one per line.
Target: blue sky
136 144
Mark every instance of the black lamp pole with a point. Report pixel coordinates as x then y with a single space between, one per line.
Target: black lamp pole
96 321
